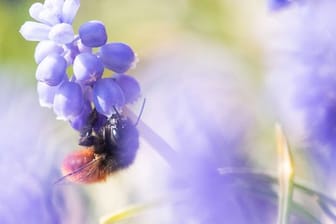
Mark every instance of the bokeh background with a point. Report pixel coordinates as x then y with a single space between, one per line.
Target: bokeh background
208 70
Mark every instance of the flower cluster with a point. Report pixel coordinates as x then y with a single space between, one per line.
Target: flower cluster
74 96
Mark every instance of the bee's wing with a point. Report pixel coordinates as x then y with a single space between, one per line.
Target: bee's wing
90 165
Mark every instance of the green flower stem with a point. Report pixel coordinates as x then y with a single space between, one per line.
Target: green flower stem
128 212
285 202
286 173
313 192
295 208
272 178
248 173
324 201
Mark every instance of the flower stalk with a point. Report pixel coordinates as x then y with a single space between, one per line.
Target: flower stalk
126 213
285 176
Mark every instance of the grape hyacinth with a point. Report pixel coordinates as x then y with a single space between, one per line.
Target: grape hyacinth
207 120
307 70
74 96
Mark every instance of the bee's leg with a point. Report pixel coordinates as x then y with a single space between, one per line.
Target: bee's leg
87 140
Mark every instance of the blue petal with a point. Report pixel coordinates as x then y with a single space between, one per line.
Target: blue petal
49 17
93 34
45 48
82 48
71 51
46 94
35 10
54 5
34 31
118 57
107 95
81 121
62 33
87 68
68 101
70 9
129 86
51 70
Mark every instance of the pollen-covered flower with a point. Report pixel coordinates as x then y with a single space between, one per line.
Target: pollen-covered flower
59 48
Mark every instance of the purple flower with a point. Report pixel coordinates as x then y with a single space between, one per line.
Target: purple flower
205 115
107 95
54 19
68 101
51 70
61 33
87 68
46 94
45 48
117 57
60 49
79 122
93 34
307 70
29 164
129 86
212 197
34 31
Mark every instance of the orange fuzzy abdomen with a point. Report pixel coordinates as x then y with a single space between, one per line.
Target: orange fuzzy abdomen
82 166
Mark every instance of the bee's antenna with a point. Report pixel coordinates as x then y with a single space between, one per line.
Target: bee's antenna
141 110
115 109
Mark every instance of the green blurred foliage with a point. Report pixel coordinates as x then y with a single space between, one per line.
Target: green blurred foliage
230 22
13 48
146 25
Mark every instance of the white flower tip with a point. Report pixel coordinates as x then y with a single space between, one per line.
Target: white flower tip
61 118
135 62
45 104
35 9
33 31
69 10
